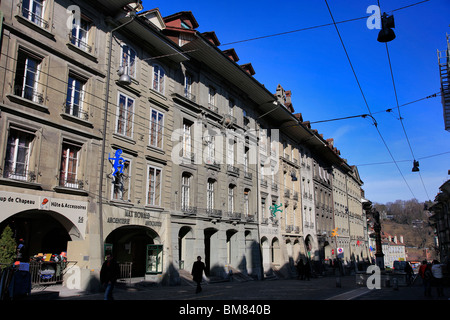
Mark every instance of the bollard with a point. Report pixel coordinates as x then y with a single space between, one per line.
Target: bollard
395 284
338 282
387 282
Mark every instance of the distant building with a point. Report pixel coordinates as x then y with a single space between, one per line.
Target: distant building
440 220
394 249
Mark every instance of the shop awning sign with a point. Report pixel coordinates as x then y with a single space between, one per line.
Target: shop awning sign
76 211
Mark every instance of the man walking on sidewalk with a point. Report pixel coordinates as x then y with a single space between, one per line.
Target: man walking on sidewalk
197 273
438 277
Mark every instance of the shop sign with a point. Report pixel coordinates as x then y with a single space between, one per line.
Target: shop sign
135 217
76 211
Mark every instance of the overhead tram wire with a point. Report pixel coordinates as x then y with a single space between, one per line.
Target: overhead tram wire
399 113
279 34
137 124
112 113
389 162
218 154
364 97
314 27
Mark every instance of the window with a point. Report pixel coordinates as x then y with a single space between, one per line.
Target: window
231 198
263 141
210 149
230 151
69 165
188 87
212 97
124 122
263 207
17 154
80 34
27 75
184 25
128 61
121 183
158 79
210 195
156 128
185 191
154 186
33 10
231 104
75 96
246 163
246 202
246 119
187 146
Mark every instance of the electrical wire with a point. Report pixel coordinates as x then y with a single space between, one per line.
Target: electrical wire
218 154
313 27
399 113
389 162
137 124
308 28
364 97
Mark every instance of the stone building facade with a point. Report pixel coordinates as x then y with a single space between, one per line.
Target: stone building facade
130 133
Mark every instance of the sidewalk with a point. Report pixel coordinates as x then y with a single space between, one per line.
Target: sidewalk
322 288
291 289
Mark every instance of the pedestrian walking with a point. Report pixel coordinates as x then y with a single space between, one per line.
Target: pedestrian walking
300 270
438 277
427 276
197 273
308 270
409 273
109 274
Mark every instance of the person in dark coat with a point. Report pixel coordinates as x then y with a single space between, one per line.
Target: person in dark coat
427 279
109 274
300 269
409 273
20 256
197 273
308 270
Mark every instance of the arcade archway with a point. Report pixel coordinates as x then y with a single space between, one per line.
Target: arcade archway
138 245
42 231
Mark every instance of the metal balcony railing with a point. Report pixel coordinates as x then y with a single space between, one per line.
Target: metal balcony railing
76 111
83 45
232 169
28 92
188 209
34 17
71 183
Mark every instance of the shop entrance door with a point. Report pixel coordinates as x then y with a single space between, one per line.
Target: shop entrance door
130 246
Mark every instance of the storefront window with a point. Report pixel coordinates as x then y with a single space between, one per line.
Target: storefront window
154 258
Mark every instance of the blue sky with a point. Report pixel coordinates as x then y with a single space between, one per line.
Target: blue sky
313 65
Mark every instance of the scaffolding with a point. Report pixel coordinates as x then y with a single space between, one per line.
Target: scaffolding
444 66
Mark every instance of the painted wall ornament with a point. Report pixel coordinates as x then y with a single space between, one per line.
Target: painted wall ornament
275 208
118 161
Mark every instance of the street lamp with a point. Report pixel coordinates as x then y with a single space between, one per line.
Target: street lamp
415 166
124 77
386 34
